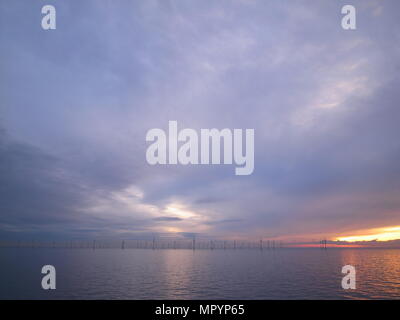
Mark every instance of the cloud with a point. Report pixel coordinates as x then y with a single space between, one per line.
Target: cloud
36 190
168 219
77 103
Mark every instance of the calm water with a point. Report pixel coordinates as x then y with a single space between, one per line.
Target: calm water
203 274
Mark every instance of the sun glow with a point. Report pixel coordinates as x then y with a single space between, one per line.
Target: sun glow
381 234
179 211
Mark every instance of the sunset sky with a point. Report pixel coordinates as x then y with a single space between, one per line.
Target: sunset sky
76 103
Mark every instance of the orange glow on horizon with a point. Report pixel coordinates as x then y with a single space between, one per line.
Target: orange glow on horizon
380 234
328 245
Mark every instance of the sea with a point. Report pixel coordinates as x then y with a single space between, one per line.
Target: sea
249 274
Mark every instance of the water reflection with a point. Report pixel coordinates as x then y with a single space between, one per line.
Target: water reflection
201 274
378 272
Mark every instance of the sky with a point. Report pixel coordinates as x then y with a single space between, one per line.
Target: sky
76 104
